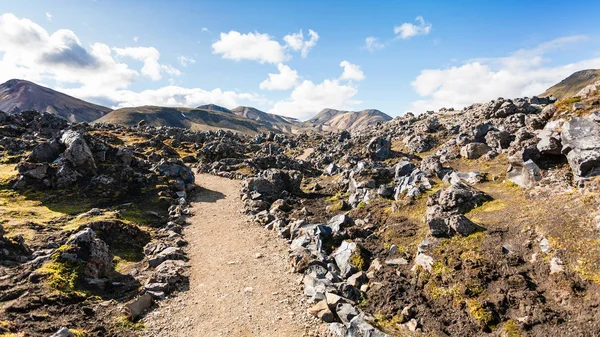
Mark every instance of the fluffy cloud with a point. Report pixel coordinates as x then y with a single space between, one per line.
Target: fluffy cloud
372 44
286 79
149 56
523 73
30 52
251 46
97 73
49 16
168 96
262 47
408 30
296 42
309 98
185 61
351 72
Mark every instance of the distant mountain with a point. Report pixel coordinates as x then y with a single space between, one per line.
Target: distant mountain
281 123
572 85
214 107
195 119
335 120
21 95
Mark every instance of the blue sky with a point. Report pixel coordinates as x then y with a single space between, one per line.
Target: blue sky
425 55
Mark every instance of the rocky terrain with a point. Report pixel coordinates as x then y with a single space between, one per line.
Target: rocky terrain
475 222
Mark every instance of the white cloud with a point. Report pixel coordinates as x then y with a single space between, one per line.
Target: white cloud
49 16
30 52
251 46
149 56
523 73
309 98
372 44
185 61
59 60
351 72
286 79
204 29
408 30
135 38
169 96
296 42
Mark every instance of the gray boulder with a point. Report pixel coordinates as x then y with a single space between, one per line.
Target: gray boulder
78 152
474 150
379 148
46 152
93 253
581 144
524 175
549 136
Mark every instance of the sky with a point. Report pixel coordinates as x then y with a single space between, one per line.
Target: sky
295 58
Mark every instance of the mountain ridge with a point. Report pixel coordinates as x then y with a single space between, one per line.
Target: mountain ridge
20 95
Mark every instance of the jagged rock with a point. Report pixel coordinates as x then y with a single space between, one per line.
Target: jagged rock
46 152
550 142
458 198
379 148
343 258
78 152
346 312
359 327
169 253
402 169
63 332
338 222
581 144
474 150
419 143
525 175
497 140
468 177
37 171
331 169
321 310
83 247
446 208
431 165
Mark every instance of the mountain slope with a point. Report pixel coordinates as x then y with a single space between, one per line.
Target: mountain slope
214 107
573 84
195 119
284 124
20 95
333 120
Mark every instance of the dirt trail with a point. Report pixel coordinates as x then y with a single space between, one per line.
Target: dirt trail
241 283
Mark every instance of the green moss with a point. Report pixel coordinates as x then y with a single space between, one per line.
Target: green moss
361 204
358 260
510 328
479 313
79 332
125 323
339 196
62 275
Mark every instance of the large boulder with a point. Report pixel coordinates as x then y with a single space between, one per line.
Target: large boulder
445 210
550 138
581 144
78 152
271 183
474 150
379 148
46 152
93 254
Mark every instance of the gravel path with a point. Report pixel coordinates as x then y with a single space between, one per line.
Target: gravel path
241 283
